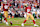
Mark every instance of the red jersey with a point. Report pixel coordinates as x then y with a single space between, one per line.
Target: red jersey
28 9
5 7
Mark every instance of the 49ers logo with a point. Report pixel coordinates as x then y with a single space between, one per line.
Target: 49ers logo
6 7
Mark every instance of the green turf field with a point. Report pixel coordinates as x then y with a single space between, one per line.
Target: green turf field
18 21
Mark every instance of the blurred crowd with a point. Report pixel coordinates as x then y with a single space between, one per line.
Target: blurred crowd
17 7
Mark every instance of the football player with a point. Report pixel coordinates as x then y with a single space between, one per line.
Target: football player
5 7
33 10
38 13
28 14
0 12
